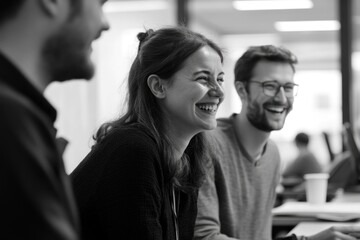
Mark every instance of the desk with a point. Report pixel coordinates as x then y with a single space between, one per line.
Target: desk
283 224
347 197
311 228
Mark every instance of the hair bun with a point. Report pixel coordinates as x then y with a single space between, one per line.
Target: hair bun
143 36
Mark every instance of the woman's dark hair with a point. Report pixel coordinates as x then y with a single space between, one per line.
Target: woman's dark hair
163 52
245 64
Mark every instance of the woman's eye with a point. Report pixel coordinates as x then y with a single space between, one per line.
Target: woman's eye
221 80
203 78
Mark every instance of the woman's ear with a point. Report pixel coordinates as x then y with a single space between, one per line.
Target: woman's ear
156 85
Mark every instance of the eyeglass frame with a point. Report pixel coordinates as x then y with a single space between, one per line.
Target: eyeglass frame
294 89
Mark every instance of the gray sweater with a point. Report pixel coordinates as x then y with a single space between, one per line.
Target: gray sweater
237 197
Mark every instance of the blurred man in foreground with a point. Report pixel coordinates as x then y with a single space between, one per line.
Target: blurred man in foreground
41 41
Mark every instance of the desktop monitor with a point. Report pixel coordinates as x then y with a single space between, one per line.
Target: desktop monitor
328 145
339 170
351 145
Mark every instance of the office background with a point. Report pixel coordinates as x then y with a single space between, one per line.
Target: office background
328 71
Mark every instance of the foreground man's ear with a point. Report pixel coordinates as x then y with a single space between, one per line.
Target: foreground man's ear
54 7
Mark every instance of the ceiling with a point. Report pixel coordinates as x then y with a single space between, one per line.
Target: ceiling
318 49
220 15
315 50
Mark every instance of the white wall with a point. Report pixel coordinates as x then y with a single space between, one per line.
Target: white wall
82 106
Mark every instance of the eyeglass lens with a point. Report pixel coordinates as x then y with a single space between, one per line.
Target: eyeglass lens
272 89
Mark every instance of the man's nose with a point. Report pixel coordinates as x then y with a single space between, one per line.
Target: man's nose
280 95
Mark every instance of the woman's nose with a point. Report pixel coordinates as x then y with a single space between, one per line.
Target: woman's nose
216 91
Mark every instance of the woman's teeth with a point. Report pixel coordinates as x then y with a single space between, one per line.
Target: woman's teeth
208 107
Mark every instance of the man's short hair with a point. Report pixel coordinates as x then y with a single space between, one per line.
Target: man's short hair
246 63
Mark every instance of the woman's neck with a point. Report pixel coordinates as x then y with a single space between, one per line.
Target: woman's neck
180 140
179 146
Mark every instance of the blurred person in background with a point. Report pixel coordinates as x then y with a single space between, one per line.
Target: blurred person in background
41 41
304 163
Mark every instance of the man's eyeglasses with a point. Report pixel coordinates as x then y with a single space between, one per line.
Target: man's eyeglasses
272 88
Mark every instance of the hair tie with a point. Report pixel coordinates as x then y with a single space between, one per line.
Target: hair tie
144 36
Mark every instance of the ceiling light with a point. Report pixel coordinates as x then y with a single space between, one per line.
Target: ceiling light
134 6
298 26
272 5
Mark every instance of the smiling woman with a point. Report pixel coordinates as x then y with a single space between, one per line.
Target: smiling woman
194 93
140 180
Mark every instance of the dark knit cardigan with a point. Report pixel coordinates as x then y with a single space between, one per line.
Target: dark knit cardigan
122 191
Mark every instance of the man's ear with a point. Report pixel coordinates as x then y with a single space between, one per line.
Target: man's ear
241 89
156 85
53 7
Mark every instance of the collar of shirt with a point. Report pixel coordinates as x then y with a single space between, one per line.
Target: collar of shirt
11 76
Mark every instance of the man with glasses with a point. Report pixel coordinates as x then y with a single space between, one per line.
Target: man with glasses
238 194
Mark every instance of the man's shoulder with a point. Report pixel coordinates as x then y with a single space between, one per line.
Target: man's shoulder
272 153
222 137
12 101
271 147
8 95
15 108
224 125
271 143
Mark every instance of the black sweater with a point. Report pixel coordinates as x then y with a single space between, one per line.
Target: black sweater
122 193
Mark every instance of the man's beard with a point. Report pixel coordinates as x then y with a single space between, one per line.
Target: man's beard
258 119
66 57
